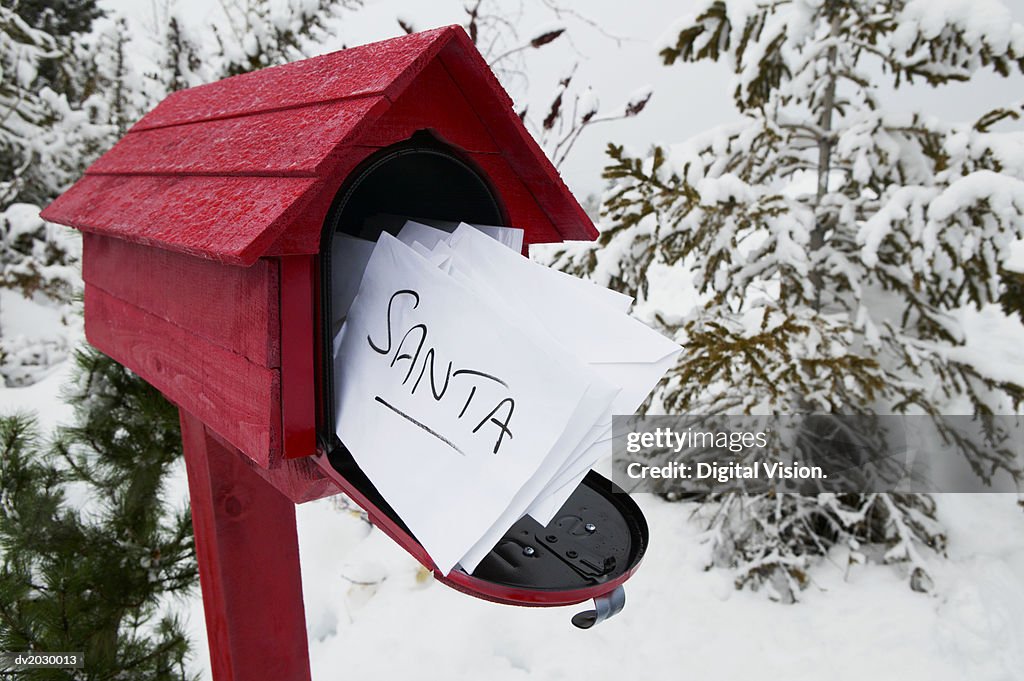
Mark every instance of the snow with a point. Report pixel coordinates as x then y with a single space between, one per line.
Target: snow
587 104
874 230
41 398
988 20
854 623
639 95
723 189
1004 194
20 219
994 343
34 336
1015 258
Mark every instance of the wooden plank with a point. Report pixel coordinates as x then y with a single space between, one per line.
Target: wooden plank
236 308
301 480
298 383
378 68
433 101
228 219
236 398
302 237
248 553
290 142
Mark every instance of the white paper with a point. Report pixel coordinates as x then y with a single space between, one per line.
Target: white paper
619 349
595 402
582 428
414 232
431 234
429 446
638 377
570 356
510 237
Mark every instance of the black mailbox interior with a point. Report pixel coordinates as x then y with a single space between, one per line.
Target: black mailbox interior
426 179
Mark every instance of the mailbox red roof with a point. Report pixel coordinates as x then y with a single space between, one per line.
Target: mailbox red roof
222 171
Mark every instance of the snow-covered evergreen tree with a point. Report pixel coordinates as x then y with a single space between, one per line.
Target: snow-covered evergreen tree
51 126
73 578
833 241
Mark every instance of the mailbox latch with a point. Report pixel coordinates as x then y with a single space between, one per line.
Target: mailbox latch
605 606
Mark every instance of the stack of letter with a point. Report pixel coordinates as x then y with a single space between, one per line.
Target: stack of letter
474 386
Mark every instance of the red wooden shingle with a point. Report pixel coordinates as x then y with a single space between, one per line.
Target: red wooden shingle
384 67
293 142
223 170
220 218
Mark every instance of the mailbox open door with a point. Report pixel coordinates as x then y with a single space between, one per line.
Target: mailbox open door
207 235
599 536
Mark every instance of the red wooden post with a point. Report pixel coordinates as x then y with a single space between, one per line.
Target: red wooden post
248 553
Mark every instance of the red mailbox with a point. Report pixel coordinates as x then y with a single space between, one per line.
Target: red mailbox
206 257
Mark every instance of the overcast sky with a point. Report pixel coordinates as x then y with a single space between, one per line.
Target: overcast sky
687 98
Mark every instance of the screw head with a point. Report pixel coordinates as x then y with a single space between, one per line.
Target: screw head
590 527
529 551
571 554
551 538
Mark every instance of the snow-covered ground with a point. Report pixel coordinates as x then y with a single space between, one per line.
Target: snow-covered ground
680 620
373 613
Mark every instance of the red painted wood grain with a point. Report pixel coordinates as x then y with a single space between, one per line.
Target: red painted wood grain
290 142
236 308
237 398
523 210
227 219
298 382
301 480
384 67
248 554
433 101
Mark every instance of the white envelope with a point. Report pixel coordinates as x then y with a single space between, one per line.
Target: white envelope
511 237
581 429
449 478
430 235
620 349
